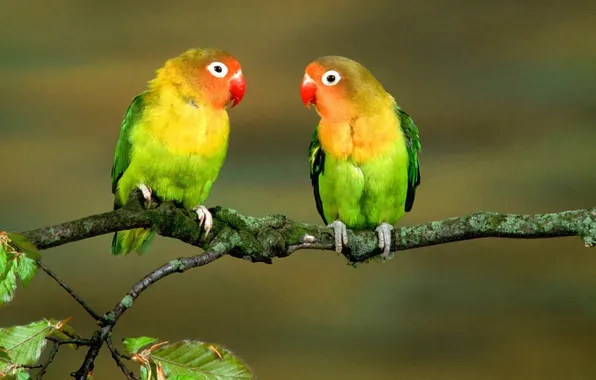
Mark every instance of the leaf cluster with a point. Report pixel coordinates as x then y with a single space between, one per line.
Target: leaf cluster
22 347
17 261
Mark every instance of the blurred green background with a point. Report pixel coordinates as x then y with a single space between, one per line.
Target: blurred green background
504 94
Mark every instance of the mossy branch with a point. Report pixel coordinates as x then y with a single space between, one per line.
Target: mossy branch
275 236
260 239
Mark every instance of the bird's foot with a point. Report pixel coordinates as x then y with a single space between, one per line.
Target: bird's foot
341 234
205 217
146 193
384 233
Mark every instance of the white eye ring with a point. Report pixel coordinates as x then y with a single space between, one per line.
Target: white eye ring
218 69
331 78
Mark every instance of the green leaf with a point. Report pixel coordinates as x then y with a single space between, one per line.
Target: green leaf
24 344
145 372
8 283
189 359
4 354
3 258
9 370
133 345
5 361
66 331
16 374
17 257
26 268
21 244
22 374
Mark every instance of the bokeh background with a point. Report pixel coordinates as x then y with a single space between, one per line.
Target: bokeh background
504 94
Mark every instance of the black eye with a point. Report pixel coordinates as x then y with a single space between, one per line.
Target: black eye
330 78
218 69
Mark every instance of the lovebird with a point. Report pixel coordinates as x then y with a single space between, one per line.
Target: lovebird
363 156
174 137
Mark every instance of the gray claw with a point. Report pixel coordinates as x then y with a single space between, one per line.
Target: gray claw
384 233
341 234
146 193
204 217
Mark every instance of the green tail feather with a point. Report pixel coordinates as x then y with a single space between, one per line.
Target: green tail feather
138 240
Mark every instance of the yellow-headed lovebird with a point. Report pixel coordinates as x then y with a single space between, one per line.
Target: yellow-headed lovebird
174 137
364 152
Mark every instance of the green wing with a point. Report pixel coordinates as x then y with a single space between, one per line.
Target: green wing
316 158
410 131
124 147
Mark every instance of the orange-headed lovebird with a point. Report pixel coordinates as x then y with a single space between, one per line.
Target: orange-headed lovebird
174 137
364 152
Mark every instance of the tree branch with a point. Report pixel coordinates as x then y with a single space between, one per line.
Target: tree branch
262 239
275 236
219 248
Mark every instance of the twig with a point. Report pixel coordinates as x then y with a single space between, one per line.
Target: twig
118 359
110 319
69 290
29 366
48 361
123 356
76 342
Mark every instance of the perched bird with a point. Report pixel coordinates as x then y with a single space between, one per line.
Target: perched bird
364 152
174 137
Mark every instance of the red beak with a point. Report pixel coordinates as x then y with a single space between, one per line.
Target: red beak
237 87
308 91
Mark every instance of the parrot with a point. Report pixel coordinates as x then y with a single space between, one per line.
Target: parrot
363 156
174 137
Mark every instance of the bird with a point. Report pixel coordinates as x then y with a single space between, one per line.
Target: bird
363 156
174 137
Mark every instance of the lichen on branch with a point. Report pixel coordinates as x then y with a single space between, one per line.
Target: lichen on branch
260 239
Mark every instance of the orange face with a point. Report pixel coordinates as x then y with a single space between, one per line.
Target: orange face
341 88
330 83
205 75
222 78
320 82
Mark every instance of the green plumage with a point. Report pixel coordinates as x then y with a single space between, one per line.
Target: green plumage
367 194
174 137
152 151
138 239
